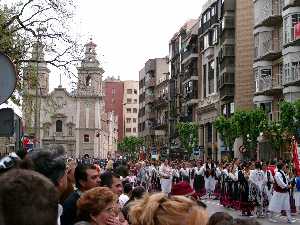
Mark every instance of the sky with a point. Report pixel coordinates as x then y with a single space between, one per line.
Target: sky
129 32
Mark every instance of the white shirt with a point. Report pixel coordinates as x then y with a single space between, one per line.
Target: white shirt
123 199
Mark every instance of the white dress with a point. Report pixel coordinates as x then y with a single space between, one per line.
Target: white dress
280 201
165 173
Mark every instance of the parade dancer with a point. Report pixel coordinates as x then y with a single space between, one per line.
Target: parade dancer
209 178
258 181
176 174
165 172
199 186
280 199
184 173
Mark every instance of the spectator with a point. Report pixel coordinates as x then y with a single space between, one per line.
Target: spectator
51 163
159 209
220 218
97 206
71 165
137 193
86 178
112 181
27 198
8 162
124 197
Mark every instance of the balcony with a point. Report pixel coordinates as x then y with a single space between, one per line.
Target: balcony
269 84
189 55
291 74
267 12
151 82
227 23
268 45
191 98
208 52
149 99
226 92
225 79
150 66
161 101
291 3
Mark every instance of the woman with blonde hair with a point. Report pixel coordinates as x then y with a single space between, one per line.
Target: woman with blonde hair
159 209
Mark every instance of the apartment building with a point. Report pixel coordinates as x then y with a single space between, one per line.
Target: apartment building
183 83
153 92
114 97
131 108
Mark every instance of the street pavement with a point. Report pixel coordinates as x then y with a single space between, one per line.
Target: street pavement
214 206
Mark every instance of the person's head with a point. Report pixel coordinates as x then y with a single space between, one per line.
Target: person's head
279 166
137 192
219 218
127 188
86 177
159 209
27 197
97 205
166 162
51 163
258 166
112 181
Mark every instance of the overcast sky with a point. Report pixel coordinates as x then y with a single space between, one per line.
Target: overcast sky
128 32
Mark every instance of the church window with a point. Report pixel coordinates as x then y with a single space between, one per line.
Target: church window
88 81
86 138
113 92
58 126
46 132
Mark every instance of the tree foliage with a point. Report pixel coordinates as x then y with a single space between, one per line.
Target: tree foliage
23 23
130 146
188 135
244 124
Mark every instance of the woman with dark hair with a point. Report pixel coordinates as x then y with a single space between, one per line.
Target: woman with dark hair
136 193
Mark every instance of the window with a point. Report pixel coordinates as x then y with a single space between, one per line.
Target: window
206 41
128 130
134 110
88 81
215 36
134 120
129 100
211 77
58 126
128 110
128 120
204 81
129 91
135 91
113 92
213 11
70 131
290 24
86 138
208 15
135 101
134 130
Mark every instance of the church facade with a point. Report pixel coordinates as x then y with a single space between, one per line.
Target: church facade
75 120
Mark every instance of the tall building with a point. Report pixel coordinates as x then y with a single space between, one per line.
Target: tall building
183 83
72 120
114 96
153 92
131 107
225 68
276 61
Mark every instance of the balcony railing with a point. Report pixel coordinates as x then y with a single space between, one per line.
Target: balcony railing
268 83
291 74
267 12
189 54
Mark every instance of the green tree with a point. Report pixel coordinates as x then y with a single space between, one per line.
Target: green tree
188 135
129 146
227 129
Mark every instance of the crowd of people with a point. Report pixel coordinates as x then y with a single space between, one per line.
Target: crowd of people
45 187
